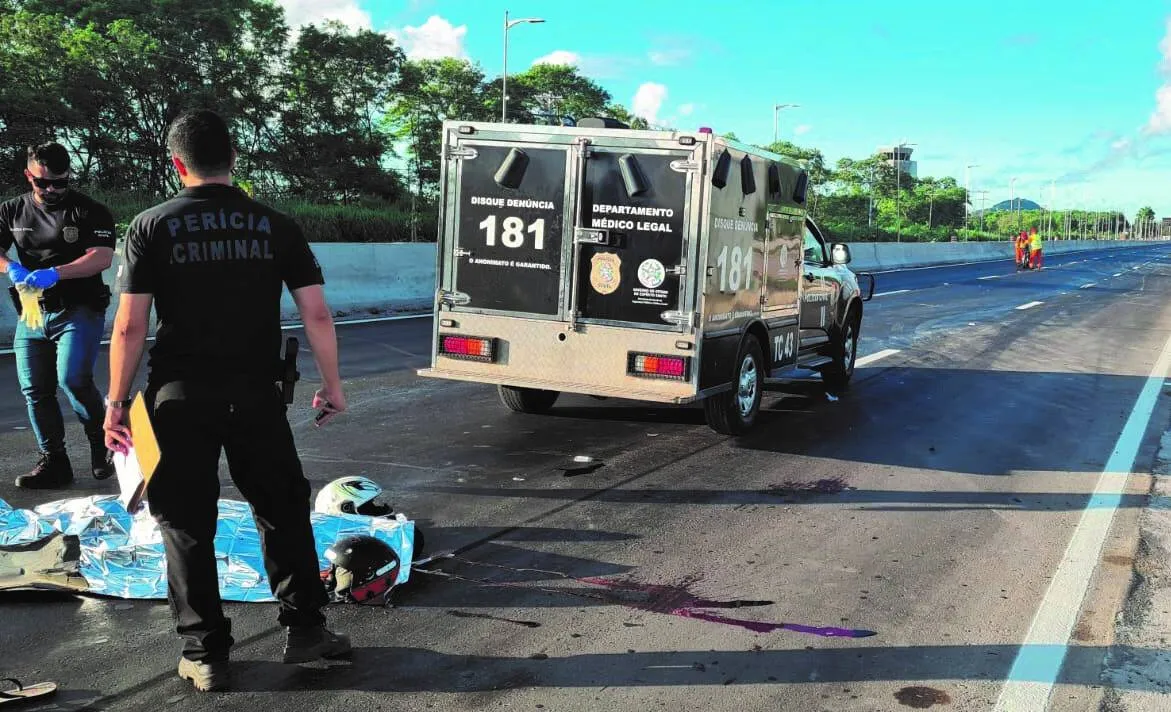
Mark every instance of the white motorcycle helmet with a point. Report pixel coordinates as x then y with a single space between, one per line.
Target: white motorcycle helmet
351 495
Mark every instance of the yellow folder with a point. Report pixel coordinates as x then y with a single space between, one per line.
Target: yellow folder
145 454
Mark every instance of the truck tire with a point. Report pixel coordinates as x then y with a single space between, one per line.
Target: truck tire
528 400
837 375
734 412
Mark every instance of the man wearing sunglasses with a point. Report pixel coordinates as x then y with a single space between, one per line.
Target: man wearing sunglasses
64 240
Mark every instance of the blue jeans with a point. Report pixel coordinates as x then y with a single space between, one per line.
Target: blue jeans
63 351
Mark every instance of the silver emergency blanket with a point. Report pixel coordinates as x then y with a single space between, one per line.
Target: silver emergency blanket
122 554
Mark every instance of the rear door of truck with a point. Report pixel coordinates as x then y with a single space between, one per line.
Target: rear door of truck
547 226
508 202
633 220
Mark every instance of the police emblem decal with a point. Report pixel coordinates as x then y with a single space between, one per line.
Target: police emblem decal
70 233
651 273
605 272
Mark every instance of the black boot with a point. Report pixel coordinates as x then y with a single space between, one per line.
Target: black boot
53 471
101 459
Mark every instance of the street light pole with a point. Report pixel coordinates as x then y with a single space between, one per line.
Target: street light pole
1012 200
508 24
983 207
1052 201
968 190
776 118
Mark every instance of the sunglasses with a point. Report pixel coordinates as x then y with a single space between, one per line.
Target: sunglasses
58 183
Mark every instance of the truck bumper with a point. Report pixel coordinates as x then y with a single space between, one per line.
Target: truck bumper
547 355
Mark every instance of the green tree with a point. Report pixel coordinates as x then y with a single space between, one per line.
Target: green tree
431 92
621 113
812 158
1144 222
329 141
35 68
551 92
125 69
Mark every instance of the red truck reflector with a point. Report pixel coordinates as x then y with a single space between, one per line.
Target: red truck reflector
658 366
472 348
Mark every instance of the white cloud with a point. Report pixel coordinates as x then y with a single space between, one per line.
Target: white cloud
668 57
648 100
1161 118
434 39
802 129
686 109
560 56
303 12
1160 121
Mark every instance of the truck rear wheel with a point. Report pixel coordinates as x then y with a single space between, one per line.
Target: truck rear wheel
528 400
837 375
734 412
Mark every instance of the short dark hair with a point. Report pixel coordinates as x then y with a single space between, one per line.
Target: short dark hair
202 141
51 155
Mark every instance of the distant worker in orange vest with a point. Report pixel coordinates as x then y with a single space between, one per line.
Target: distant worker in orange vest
1035 250
1021 242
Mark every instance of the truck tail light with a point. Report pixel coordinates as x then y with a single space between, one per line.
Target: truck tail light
659 366
471 348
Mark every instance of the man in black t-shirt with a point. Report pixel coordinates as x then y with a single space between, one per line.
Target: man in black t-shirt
64 240
214 263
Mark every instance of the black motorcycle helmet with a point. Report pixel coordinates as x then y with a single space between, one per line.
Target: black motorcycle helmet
362 569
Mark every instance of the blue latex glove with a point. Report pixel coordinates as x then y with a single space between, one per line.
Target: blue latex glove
17 272
42 278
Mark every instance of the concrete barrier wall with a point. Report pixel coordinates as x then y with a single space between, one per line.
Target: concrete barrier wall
376 279
361 279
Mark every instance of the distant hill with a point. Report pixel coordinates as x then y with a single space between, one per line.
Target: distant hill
1016 204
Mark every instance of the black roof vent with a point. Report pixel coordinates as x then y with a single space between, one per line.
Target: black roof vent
799 193
747 177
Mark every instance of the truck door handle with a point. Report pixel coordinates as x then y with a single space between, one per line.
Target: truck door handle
592 236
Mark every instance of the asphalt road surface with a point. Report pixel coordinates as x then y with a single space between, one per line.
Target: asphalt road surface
934 504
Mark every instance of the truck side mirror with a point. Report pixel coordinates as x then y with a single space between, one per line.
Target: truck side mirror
841 253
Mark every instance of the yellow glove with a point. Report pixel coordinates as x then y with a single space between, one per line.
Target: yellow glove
30 306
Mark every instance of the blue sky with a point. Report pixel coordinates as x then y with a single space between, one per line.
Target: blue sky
1028 88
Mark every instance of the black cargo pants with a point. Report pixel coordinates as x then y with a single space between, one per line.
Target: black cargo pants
194 422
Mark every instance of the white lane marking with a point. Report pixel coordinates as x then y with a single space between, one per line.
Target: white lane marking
877 356
1030 305
287 327
994 276
1034 673
371 320
1117 274
897 291
1087 286
953 264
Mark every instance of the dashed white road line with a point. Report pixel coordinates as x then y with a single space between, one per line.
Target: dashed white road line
1087 286
877 356
1030 305
1117 274
371 320
1033 675
897 291
993 276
